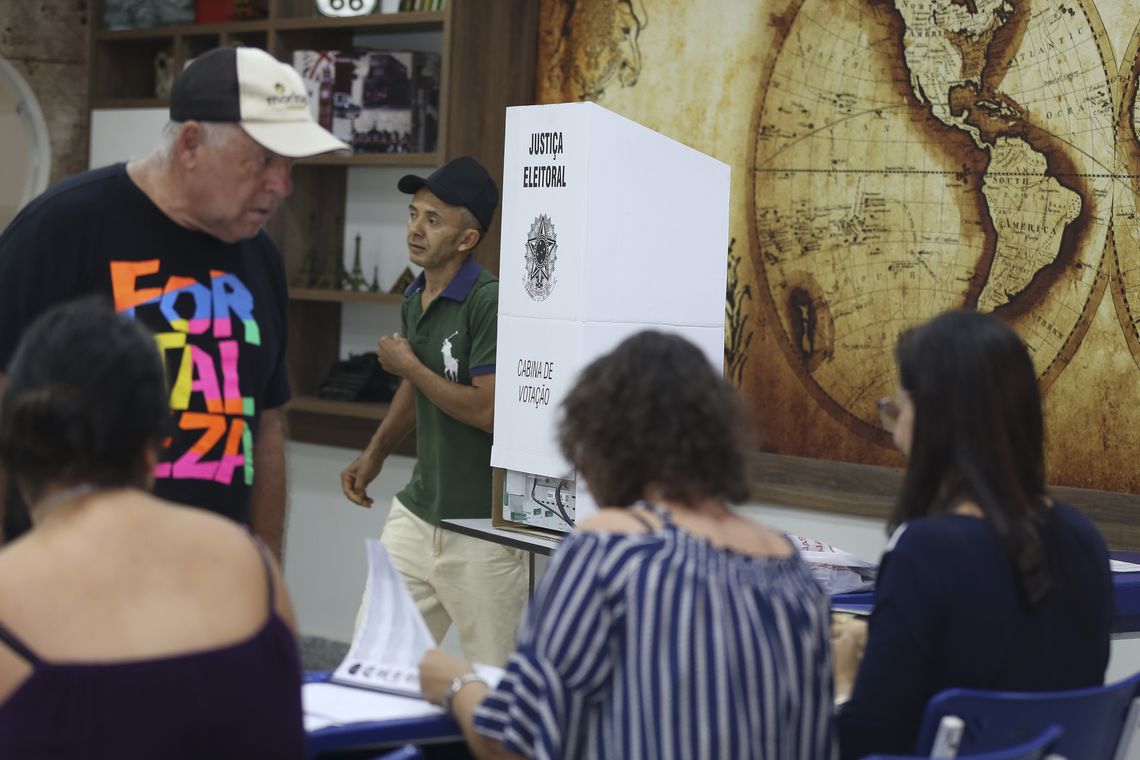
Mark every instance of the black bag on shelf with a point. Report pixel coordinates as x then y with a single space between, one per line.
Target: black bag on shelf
359 378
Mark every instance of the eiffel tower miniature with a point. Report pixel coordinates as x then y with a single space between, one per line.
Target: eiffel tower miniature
309 272
328 277
355 280
375 286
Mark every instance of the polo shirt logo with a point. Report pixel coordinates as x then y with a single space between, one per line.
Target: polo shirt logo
450 363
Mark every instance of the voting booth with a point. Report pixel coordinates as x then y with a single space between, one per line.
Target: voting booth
608 228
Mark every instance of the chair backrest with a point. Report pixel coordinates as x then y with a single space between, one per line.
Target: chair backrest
1034 749
1092 719
407 752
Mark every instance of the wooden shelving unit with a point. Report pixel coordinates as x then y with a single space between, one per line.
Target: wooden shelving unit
365 411
375 159
488 57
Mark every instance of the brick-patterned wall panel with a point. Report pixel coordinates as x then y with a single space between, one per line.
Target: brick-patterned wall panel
46 41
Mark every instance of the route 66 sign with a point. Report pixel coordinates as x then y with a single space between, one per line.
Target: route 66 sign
341 8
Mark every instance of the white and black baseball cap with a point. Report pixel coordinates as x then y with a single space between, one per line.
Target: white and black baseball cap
251 88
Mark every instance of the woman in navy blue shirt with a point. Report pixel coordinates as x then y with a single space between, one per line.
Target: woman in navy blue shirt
667 627
987 582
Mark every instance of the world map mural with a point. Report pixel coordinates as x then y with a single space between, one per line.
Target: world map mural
893 159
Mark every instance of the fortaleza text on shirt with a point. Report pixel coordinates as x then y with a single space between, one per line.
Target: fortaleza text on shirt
194 369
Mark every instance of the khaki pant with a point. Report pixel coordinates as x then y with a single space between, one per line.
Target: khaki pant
479 585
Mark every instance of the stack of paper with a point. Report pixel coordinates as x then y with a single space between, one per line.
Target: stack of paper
379 677
838 571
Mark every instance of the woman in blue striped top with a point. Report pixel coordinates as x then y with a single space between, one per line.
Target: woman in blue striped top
668 627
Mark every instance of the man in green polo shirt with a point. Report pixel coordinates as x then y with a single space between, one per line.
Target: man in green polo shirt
446 355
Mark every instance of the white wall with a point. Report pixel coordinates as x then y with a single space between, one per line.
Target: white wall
325 563
378 212
120 134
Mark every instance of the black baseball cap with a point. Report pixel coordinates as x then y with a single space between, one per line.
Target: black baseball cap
251 88
461 182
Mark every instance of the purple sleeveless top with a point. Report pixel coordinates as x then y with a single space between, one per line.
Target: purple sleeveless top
239 701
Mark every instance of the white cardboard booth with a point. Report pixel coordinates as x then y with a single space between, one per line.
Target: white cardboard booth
609 228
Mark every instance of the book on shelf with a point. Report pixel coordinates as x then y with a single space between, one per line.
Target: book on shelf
421 5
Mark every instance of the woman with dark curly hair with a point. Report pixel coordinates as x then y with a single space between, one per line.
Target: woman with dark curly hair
987 582
130 627
666 626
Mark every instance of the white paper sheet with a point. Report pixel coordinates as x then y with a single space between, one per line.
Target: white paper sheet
392 638
330 704
386 651
1120 566
379 677
838 571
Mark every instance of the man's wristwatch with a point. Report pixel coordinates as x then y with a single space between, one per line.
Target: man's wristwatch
456 685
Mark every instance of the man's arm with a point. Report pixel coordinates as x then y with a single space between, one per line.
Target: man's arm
394 428
267 498
472 405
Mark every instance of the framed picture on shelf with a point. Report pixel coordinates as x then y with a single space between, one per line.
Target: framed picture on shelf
378 101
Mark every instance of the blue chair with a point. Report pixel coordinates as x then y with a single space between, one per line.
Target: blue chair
1034 749
1092 719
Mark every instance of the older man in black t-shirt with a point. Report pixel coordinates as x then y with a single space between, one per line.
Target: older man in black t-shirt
176 241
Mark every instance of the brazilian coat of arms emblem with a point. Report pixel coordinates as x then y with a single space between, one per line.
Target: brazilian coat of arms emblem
541 255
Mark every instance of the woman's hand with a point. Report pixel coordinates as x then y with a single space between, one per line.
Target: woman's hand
437 670
848 642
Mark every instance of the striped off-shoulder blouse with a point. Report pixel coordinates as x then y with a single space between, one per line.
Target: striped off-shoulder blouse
659 645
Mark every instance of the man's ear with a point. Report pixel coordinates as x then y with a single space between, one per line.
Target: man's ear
190 139
469 239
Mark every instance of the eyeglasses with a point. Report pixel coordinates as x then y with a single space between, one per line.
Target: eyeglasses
888 413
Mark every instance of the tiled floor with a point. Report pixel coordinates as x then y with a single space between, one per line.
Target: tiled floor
321 654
